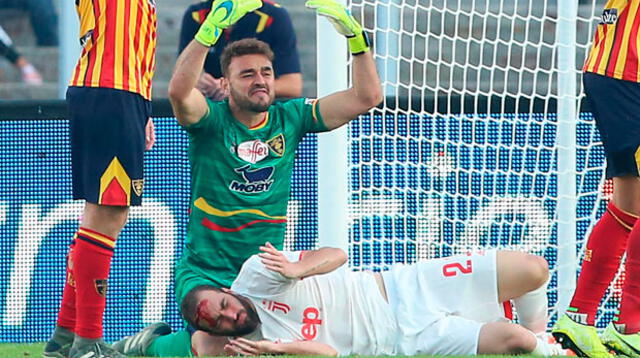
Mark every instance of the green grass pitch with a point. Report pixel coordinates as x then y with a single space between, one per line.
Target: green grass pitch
34 350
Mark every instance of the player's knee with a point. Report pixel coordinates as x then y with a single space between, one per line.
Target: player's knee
537 271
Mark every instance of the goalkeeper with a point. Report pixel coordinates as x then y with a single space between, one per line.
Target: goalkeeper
241 154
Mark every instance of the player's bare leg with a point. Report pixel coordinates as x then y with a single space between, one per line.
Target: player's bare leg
511 338
522 278
519 273
505 338
626 194
108 220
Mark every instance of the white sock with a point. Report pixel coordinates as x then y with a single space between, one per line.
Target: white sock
532 309
546 348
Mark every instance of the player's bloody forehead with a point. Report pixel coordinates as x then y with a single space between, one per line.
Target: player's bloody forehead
204 314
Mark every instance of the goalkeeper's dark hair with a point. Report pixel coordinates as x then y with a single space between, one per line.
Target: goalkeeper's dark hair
189 304
250 46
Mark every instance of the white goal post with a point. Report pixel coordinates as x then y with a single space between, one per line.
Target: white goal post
480 142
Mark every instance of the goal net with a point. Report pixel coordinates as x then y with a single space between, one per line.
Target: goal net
482 140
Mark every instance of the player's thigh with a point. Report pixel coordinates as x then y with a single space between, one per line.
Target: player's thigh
107 144
505 338
464 286
615 105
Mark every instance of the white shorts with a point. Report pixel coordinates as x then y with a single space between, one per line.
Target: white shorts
442 304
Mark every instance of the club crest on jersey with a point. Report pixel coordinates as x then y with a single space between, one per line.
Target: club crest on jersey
252 151
101 287
85 38
137 185
609 17
276 306
276 144
256 180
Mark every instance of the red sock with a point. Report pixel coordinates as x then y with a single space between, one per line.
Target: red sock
67 313
629 315
605 248
91 260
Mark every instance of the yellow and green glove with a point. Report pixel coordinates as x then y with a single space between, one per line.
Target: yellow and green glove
344 23
223 14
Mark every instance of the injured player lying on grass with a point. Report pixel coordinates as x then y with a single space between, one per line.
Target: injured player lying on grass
308 303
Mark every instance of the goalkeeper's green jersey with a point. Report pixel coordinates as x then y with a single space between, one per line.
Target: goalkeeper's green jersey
240 184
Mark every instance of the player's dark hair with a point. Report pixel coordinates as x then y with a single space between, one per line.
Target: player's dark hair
190 303
250 46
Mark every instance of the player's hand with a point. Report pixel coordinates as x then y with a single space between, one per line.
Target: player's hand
338 15
275 261
223 14
149 135
344 23
245 347
211 87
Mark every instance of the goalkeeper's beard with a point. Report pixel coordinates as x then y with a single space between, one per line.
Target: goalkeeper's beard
245 102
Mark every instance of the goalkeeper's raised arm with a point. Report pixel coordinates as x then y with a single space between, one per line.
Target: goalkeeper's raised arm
341 107
189 105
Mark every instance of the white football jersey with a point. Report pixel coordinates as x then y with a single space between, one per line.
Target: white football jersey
343 309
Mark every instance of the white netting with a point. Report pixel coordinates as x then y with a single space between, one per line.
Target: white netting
465 153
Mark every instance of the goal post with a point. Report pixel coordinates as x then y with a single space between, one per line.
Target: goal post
333 224
565 141
480 141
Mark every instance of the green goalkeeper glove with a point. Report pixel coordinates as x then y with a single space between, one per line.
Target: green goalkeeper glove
344 23
223 14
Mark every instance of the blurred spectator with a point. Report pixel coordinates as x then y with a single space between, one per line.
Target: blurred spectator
43 16
270 23
29 73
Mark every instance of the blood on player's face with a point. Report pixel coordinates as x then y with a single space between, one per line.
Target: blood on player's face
225 313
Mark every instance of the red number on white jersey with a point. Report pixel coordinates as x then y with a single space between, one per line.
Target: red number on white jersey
454 268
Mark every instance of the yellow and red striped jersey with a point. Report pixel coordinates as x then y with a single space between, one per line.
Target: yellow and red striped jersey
614 52
118 39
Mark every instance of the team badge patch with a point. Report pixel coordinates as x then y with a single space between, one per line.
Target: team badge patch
137 186
70 279
253 151
85 38
609 17
276 144
101 287
255 180
276 306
